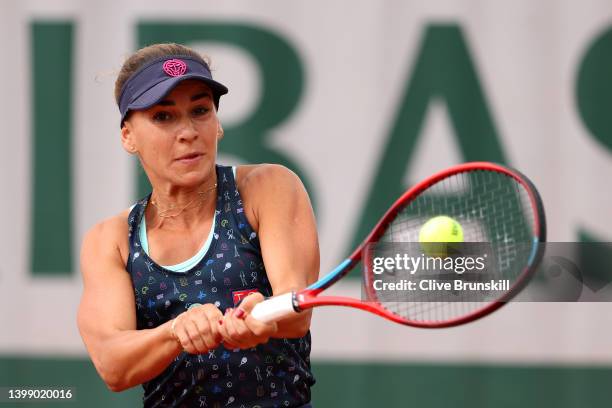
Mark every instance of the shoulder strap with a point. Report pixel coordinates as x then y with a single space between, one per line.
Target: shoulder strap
227 188
133 220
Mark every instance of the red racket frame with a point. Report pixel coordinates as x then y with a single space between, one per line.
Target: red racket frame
308 298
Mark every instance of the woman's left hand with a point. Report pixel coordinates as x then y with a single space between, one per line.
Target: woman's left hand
241 330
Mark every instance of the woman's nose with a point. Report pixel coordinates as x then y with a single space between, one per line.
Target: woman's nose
187 130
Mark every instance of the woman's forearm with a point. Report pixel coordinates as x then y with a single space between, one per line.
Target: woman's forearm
132 357
294 326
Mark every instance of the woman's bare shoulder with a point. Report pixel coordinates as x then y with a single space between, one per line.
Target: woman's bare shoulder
256 176
110 234
264 186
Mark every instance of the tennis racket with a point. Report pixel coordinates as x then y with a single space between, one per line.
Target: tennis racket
495 205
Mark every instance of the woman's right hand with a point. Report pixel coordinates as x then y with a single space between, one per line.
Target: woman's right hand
197 329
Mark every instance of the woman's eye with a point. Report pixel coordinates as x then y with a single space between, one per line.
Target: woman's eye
200 110
162 116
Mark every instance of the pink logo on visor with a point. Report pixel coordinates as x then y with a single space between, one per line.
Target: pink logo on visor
175 67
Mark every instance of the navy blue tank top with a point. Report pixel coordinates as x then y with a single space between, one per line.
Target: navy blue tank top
275 374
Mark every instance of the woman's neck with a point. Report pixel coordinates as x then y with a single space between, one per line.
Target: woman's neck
181 208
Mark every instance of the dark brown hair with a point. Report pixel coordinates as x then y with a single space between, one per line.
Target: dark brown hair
149 53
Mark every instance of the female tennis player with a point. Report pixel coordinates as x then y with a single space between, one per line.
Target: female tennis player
169 284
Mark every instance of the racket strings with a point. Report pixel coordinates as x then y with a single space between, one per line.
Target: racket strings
491 207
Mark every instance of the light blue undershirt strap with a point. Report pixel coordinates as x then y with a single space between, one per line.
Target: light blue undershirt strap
183 266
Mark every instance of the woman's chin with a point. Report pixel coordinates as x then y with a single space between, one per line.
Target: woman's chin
195 178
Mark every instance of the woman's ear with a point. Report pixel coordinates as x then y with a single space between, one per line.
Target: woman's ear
127 140
220 132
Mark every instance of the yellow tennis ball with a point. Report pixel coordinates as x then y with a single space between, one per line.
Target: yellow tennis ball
440 229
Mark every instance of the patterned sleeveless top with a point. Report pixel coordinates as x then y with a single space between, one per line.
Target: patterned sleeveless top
275 374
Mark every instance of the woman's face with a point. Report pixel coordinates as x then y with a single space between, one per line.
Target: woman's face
176 139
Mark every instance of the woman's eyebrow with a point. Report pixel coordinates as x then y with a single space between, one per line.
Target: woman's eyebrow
200 96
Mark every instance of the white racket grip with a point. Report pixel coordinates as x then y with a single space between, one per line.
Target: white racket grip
275 308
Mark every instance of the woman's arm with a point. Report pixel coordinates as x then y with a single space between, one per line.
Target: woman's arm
123 356
288 237
278 208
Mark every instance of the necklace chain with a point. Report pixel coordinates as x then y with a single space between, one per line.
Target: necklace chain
167 213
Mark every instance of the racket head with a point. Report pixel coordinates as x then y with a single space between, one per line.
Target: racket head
403 220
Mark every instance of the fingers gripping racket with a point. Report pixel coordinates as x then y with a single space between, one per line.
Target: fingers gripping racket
492 203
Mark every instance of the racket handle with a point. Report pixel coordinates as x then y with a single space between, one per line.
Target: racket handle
275 308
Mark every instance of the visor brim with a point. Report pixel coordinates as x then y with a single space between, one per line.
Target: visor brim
160 90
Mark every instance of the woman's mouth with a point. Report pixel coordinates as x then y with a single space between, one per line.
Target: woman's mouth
189 158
